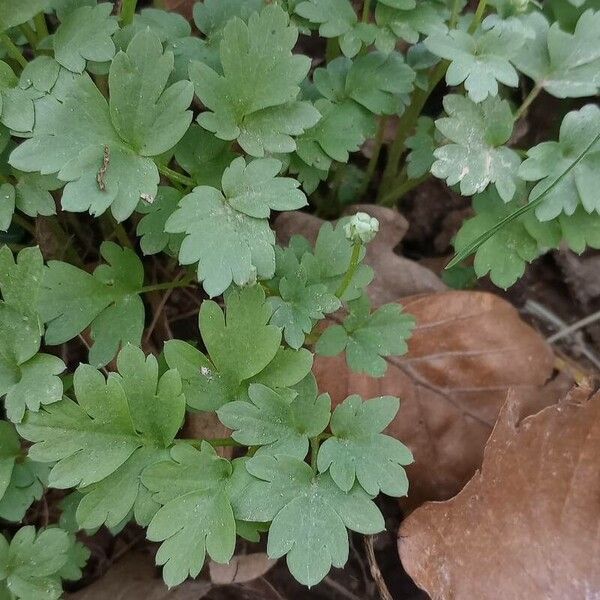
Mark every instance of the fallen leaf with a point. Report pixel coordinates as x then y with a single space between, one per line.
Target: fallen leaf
135 577
183 7
527 525
467 350
206 426
241 569
395 276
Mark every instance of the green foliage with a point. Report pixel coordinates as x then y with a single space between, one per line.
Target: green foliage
566 65
33 564
358 451
309 514
242 348
96 115
71 300
477 156
548 159
102 442
255 100
368 338
482 60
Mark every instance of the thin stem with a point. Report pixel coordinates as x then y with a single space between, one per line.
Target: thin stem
128 12
215 442
121 234
332 49
479 12
175 176
407 125
589 320
372 166
403 188
366 11
169 285
41 28
455 14
12 50
29 33
352 267
533 94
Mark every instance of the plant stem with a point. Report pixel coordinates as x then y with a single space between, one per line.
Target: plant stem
403 188
332 49
29 33
533 94
41 28
366 11
175 176
478 16
168 285
215 442
128 12
455 13
12 50
407 125
118 230
352 267
372 166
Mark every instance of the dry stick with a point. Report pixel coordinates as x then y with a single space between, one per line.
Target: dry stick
157 314
384 592
559 335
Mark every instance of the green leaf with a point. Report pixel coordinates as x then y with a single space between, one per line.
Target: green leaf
10 450
21 279
566 65
242 348
482 60
14 13
85 34
547 160
108 300
102 442
33 195
422 146
32 563
255 100
272 421
7 205
196 517
376 81
309 515
204 156
151 227
101 151
478 157
359 451
300 303
16 104
228 234
368 338
427 17
343 129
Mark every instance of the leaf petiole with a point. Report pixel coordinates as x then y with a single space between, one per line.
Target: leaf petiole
352 267
176 176
12 49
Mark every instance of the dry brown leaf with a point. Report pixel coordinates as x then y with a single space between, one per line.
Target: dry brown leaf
395 276
526 527
467 349
206 426
241 569
183 7
135 577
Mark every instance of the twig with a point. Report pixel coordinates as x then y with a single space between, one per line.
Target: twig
566 331
384 592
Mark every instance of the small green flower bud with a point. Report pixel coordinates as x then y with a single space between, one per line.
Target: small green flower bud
361 228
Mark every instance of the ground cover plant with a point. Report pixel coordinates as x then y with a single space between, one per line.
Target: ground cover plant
144 155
